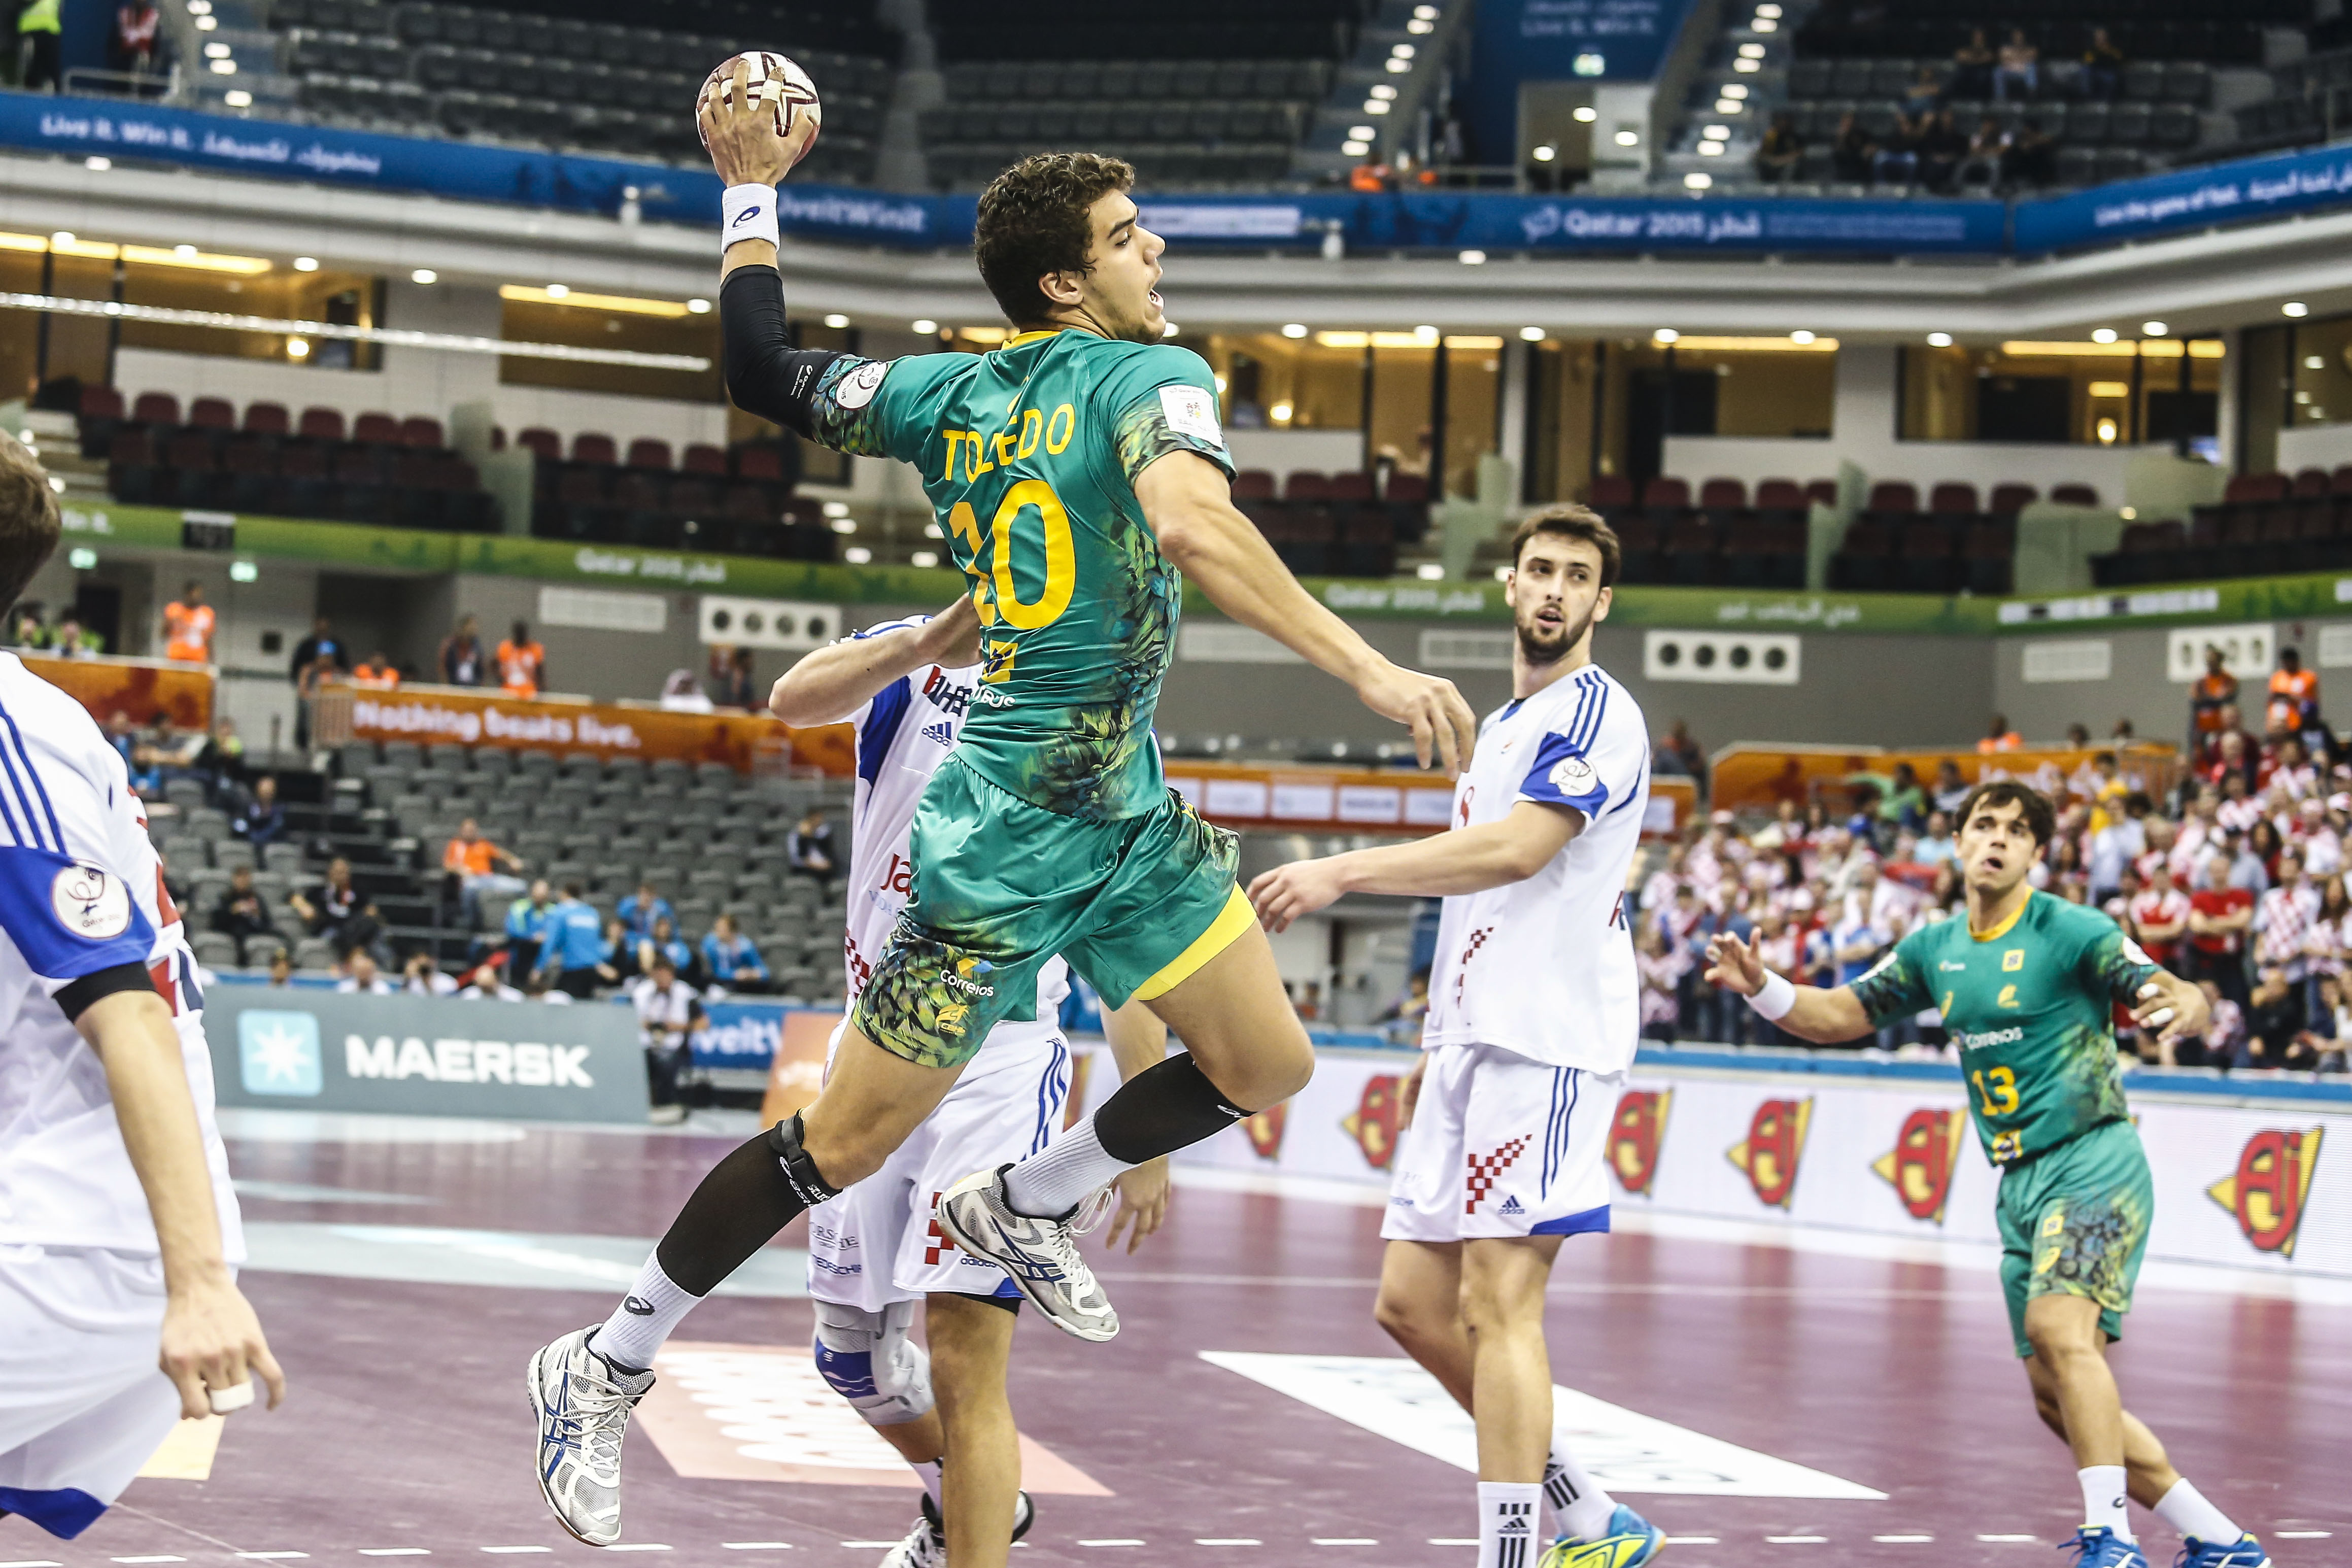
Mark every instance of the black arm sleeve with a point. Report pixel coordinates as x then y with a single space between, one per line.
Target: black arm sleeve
75 999
765 374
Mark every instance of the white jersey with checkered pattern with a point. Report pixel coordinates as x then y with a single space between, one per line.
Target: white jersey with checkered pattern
1544 967
81 892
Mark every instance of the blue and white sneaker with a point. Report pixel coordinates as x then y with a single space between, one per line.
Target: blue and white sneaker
584 1404
2244 1553
1630 1539
2103 1548
1039 1255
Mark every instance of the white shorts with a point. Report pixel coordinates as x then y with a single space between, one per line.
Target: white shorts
878 1242
82 1402
1502 1146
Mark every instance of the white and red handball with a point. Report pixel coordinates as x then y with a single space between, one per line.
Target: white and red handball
777 81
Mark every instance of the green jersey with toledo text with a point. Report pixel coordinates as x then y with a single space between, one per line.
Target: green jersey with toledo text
2030 1005
1029 454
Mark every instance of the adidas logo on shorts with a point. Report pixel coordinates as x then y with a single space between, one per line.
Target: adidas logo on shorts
941 733
1511 1206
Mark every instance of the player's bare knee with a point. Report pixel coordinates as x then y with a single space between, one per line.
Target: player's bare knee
1409 1320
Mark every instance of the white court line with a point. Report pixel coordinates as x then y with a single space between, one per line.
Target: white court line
755 1546
647 1546
869 1545
2303 1534
163 1557
1454 1541
257 1556
510 1549
1226 1540
1798 1540
1121 1542
2011 1540
1342 1540
30 1562
395 1551
1902 1540
1694 1540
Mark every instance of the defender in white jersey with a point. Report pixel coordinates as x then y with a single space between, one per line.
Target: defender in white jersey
875 1250
118 1226
1534 1014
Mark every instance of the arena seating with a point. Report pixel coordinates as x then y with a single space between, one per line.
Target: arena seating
2264 524
2311 100
568 78
1724 539
1343 525
740 502
1954 541
377 469
707 839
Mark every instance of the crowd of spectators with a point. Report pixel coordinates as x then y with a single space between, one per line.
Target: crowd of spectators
2228 864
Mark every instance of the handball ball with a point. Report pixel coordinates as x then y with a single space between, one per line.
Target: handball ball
776 81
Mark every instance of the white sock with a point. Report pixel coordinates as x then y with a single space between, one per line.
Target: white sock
1575 1500
2104 1499
1053 1184
2185 1508
653 1309
1507 1523
930 1471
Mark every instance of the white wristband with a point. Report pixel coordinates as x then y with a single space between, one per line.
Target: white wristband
1777 997
747 212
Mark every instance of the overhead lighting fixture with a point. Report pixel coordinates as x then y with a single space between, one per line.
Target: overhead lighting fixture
1629 138
1280 412
1737 89
238 98
1665 336
1473 258
1698 182
2147 348
223 67
1545 153
924 328
97 165
1716 133
1430 571
2110 389
1294 330
1403 52
1728 106
306 264
216 51
1360 132
1584 114
2294 308
1531 335
836 321
62 237
697 307
857 555
207 24
1375 106
1939 339
2104 335
557 294
1763 24
1771 12
244 572
1424 334
2313 361
924 558
1397 67
843 525
2154 329
836 509
1355 149
1710 148
1809 342
183 251
297 348
1800 338
556 291
424 275
82 559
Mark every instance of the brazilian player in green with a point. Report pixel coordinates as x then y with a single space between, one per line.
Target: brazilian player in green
2027 985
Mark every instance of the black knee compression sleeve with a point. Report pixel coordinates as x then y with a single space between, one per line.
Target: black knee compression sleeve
739 1206
1161 1109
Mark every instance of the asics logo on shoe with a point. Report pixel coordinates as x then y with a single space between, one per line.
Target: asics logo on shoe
637 1307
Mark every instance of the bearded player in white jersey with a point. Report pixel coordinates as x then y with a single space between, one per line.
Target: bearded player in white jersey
118 1226
876 1250
1534 1011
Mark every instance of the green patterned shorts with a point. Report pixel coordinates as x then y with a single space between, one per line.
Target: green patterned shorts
1001 886
2075 1221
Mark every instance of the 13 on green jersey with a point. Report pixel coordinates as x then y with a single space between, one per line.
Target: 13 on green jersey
1029 454
2031 1005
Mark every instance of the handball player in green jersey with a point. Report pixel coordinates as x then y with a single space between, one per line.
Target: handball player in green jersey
2028 985
1080 475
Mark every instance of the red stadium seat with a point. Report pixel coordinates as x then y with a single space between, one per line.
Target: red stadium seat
2087 495
1612 492
587 447
645 452
703 458
760 461
1722 495
1893 497
1781 495
1953 499
421 432
1306 485
156 408
2009 499
1822 492
268 419
1411 489
2310 482
1253 484
1351 487
212 414
100 403
321 425
541 442
376 430
1665 494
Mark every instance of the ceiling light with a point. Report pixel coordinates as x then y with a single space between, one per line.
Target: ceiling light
1375 106
1728 106
2154 329
1710 148
1473 259
836 509
1584 114
558 294
297 348
1430 571
2294 308
1294 330
925 327
836 321
1629 138
1401 52
183 252
216 51
223 67
1750 62
1695 182
1425 12
1531 335
557 290
924 558
1771 12
2104 335
1545 153
2110 389
1763 24
1733 89
1360 132
97 165
857 555
424 275
306 264
1801 337
1424 334
238 98
1665 336
697 307
1398 66
62 237
81 560
1280 412
1355 148
1939 339
1421 24
1383 92
244 572
2313 361
207 24
845 525
1716 133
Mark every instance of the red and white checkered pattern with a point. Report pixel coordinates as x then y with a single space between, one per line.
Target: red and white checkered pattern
937 1241
1485 1168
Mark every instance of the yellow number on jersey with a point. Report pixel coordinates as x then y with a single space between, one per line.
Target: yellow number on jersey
1061 556
965 528
1996 1090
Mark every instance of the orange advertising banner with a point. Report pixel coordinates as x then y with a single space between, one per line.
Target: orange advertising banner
797 1072
1758 778
138 688
469 716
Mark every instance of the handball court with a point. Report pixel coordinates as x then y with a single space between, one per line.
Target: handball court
435 1256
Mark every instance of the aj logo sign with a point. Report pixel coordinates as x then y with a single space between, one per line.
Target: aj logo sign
1634 1136
1920 1166
1373 1123
1773 1147
2265 1195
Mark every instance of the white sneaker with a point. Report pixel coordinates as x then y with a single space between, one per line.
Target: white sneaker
1039 1255
926 1545
583 1403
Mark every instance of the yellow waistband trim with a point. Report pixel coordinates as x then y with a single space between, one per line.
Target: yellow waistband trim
1236 917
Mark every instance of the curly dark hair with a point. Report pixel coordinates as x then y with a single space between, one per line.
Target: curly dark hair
1570 521
2041 816
1032 221
29 525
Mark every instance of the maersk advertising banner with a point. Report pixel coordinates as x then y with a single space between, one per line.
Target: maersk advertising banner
323 1050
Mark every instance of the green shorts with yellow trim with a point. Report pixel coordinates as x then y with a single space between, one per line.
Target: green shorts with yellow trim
2075 1221
1000 886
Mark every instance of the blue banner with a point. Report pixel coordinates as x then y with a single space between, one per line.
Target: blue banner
2190 198
738 1035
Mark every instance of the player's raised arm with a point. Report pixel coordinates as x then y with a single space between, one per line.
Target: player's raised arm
1189 503
829 685
1808 1012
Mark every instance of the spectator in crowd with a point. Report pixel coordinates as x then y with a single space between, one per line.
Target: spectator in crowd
1936 846
619 963
2324 1032
460 659
521 664
282 970
1951 789
421 976
188 625
1780 154
1925 94
729 682
681 693
1973 65
74 640
2000 737
573 945
260 821
361 976
221 760
667 1011
2030 157
2294 696
29 634
1943 147
642 908
484 982
2019 72
808 847
2103 66
135 49
526 928
1851 151
663 942
2213 694
1679 753
2274 1019
2115 844
2220 915
39 30
1411 1005
327 906
540 986
241 915
1663 965
730 960
376 673
477 863
322 642
1981 163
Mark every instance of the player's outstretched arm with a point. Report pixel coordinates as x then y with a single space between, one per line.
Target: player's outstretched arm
1825 1017
1138 1040
829 685
212 1340
1466 860
1189 503
746 151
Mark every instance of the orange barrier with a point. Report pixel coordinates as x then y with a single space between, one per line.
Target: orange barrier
427 714
139 688
1309 798
1758 778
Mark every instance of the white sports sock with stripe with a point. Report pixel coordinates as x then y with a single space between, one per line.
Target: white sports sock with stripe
1507 1523
2104 1496
932 1472
655 1305
1574 1500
